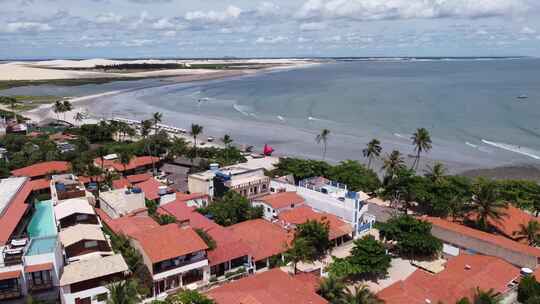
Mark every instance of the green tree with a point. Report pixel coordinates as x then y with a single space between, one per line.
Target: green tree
189 297
78 117
125 155
323 138
355 175
373 150
529 232
392 163
123 292
436 173
227 140
67 106
301 168
486 203
413 236
316 234
196 130
361 295
231 209
369 255
300 251
58 108
332 289
12 102
422 143
528 289
485 297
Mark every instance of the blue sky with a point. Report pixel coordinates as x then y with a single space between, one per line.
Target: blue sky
273 28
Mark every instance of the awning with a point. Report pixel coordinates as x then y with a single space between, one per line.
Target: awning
10 275
38 267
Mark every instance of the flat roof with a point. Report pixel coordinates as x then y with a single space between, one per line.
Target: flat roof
92 269
122 202
8 189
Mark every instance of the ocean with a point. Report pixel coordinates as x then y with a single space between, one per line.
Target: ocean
471 107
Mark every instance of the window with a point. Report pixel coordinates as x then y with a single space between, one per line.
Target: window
102 297
82 217
37 278
292 205
268 210
90 244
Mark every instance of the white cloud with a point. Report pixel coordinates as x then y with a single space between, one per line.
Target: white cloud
168 34
268 9
15 27
527 30
230 13
137 42
108 18
271 40
162 24
312 26
409 9
97 44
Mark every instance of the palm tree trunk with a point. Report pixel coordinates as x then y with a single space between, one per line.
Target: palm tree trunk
369 163
324 151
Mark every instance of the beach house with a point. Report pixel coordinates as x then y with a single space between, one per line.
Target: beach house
84 240
75 211
41 170
66 186
120 202
274 204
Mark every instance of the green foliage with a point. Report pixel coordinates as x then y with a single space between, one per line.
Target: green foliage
210 242
165 219
301 168
151 206
332 289
223 156
485 296
413 236
368 260
355 175
96 133
316 235
189 297
231 209
528 289
300 251
123 292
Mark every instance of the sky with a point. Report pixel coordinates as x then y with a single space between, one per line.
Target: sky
39 29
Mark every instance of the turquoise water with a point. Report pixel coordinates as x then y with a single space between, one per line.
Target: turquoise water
41 245
42 223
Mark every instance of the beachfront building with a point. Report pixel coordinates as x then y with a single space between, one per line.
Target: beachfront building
175 256
66 186
138 164
85 281
84 240
42 170
274 204
266 241
74 211
250 183
459 278
273 286
117 203
331 197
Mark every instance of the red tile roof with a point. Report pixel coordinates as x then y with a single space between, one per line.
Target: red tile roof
38 267
40 184
270 287
14 212
90 179
263 238
459 279
137 178
168 242
129 224
282 199
150 188
10 275
136 162
302 214
42 169
511 221
487 237
120 183
188 197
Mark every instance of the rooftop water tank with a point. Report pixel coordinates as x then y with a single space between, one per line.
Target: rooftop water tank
214 167
162 190
136 190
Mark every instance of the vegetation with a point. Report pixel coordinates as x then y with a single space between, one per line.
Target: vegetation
316 234
422 143
368 260
300 251
210 242
528 290
123 292
188 297
231 209
322 138
529 233
335 292
372 151
412 237
486 203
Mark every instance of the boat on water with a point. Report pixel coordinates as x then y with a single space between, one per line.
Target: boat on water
522 97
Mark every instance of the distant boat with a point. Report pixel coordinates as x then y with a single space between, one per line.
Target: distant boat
522 97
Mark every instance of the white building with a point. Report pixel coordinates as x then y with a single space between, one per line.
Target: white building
117 203
274 204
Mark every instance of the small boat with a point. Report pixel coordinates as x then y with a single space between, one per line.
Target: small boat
522 97
210 139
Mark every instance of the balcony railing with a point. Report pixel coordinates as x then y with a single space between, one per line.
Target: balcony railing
11 293
160 269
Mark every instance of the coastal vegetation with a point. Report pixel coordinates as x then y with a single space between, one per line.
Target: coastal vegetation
528 290
231 209
322 138
336 292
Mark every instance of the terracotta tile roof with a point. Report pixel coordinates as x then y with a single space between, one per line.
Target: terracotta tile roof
263 238
182 212
150 188
10 275
510 223
302 214
169 241
38 267
129 224
137 178
136 162
459 279
41 184
487 237
120 183
14 212
270 287
282 199
41 169
90 179
187 197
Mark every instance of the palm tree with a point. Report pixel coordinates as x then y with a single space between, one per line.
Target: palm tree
58 108
323 138
332 289
372 151
436 172
393 163
361 295
156 118
529 232
123 292
67 106
78 117
301 250
12 104
196 130
422 143
125 156
227 140
485 297
486 203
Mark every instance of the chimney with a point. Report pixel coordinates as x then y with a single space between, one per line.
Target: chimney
468 267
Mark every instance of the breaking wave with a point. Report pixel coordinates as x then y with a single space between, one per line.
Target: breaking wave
513 148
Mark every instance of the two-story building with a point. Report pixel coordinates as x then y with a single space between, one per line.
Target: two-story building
276 203
75 211
175 256
82 240
117 203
